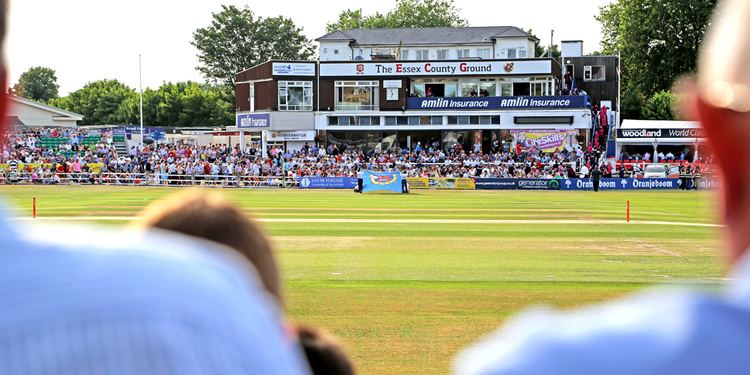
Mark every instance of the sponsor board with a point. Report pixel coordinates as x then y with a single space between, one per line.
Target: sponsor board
294 69
93 167
381 181
441 183
498 102
660 133
622 184
290 135
436 68
547 140
253 120
327 182
517 184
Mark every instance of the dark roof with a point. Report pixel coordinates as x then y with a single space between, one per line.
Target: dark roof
430 35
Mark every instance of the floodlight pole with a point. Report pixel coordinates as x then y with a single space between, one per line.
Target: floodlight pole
140 88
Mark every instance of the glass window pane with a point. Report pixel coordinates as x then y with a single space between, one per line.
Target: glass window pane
463 120
495 120
402 120
452 120
474 120
413 120
333 120
375 120
390 120
437 120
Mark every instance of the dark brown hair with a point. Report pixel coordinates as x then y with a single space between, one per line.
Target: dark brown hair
209 216
324 354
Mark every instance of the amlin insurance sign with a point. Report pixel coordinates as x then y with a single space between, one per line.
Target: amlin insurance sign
253 120
499 102
436 68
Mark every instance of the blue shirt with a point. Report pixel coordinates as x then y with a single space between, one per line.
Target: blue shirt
96 301
656 332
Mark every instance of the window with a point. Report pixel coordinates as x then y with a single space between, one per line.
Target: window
251 96
487 87
462 54
593 73
506 89
423 54
484 53
473 120
295 96
335 52
522 53
442 54
404 54
511 53
543 120
325 50
469 88
357 95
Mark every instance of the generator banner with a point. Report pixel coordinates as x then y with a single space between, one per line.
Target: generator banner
517 184
441 183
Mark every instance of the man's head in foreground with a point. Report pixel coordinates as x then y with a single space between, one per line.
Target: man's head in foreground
720 99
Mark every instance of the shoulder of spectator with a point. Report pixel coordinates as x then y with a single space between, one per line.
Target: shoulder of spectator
646 333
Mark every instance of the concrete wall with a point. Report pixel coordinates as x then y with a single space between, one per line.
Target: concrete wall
36 117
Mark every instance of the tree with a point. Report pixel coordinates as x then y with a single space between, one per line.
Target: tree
184 104
540 50
657 39
38 83
406 13
660 106
237 40
100 102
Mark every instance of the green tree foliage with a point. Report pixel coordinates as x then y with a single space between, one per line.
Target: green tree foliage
657 39
406 13
100 102
183 104
660 106
237 40
38 83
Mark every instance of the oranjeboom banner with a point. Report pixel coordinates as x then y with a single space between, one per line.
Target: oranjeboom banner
548 140
381 181
622 184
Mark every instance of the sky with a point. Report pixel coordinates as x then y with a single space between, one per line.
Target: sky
88 40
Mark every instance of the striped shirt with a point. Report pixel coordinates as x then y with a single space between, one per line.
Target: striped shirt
655 332
77 301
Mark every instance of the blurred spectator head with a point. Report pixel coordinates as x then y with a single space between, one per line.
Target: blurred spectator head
324 354
720 99
210 216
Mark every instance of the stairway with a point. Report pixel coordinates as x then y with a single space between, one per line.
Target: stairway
121 148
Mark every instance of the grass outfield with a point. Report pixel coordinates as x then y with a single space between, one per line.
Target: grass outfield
404 296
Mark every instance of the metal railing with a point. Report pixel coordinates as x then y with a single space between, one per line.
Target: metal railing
147 179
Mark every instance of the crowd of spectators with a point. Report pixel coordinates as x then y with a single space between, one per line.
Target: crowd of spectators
49 156
74 152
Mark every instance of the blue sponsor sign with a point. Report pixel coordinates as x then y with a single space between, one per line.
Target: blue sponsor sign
327 182
499 102
622 184
381 181
517 184
253 120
